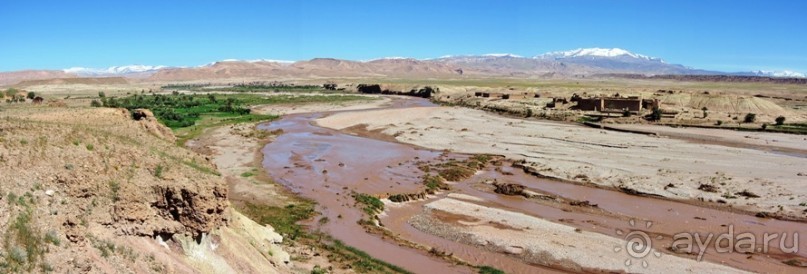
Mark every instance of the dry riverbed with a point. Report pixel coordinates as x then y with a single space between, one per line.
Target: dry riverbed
556 226
665 167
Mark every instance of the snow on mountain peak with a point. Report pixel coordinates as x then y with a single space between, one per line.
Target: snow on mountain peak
783 74
595 52
115 70
502 55
390 58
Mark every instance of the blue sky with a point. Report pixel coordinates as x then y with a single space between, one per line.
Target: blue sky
722 35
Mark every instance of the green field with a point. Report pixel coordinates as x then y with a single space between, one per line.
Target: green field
189 115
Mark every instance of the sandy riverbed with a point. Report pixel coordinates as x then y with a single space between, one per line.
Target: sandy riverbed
661 166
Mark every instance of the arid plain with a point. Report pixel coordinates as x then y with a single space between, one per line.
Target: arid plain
397 167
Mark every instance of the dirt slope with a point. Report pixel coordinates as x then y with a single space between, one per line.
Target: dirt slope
91 190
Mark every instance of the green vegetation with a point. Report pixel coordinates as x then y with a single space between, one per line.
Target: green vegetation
362 262
247 174
457 171
434 183
189 115
271 87
184 86
796 128
23 245
12 96
750 118
489 270
372 205
31 95
258 86
52 237
318 270
114 187
178 111
282 219
158 171
780 120
655 115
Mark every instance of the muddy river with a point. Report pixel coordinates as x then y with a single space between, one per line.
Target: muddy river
327 165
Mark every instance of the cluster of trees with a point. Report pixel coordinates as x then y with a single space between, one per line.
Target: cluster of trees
655 115
13 95
184 86
425 92
273 85
175 110
329 86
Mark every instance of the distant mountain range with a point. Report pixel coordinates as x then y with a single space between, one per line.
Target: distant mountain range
573 63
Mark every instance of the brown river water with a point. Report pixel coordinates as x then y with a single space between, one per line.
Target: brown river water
326 165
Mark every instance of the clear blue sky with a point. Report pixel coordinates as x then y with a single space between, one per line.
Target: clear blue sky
723 35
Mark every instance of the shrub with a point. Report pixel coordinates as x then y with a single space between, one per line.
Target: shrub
101 94
719 122
489 270
31 95
750 118
247 174
655 115
780 120
318 270
52 237
158 171
764 126
95 103
372 205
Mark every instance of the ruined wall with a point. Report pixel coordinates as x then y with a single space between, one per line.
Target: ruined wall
632 104
589 104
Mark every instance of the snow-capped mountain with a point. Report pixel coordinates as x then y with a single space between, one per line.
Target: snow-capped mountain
782 74
596 52
582 61
502 55
284 62
114 71
574 63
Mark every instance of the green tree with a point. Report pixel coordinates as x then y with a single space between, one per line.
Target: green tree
101 94
750 118
31 95
655 115
780 120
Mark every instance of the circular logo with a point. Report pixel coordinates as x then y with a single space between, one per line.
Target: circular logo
638 244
